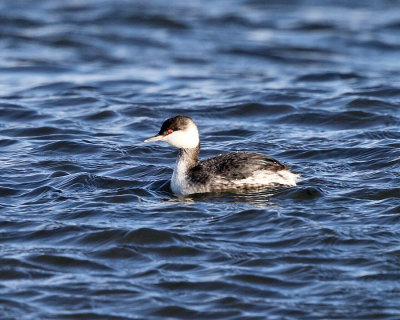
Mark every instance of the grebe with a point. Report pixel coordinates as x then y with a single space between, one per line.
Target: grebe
228 172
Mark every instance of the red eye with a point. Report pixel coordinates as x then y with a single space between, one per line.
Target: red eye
169 131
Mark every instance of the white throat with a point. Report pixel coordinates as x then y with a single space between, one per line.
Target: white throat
179 179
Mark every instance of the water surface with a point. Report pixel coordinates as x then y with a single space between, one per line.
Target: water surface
88 226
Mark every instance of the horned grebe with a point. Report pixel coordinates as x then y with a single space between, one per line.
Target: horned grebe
232 171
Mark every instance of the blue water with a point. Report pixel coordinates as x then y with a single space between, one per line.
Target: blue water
89 228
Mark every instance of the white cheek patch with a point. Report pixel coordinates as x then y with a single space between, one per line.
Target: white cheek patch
183 139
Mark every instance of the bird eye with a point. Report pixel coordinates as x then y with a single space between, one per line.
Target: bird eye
169 131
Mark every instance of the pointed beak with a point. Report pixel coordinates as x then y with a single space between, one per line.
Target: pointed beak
155 138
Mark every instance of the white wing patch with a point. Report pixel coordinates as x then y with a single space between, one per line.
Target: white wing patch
266 178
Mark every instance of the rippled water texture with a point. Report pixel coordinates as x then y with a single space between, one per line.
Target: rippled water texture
88 226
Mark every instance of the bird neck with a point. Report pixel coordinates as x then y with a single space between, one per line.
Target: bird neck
188 157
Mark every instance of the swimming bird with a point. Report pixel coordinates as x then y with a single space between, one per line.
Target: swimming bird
227 172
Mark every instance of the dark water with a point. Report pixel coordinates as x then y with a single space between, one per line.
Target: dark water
88 227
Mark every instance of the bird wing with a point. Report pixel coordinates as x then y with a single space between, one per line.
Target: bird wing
235 166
